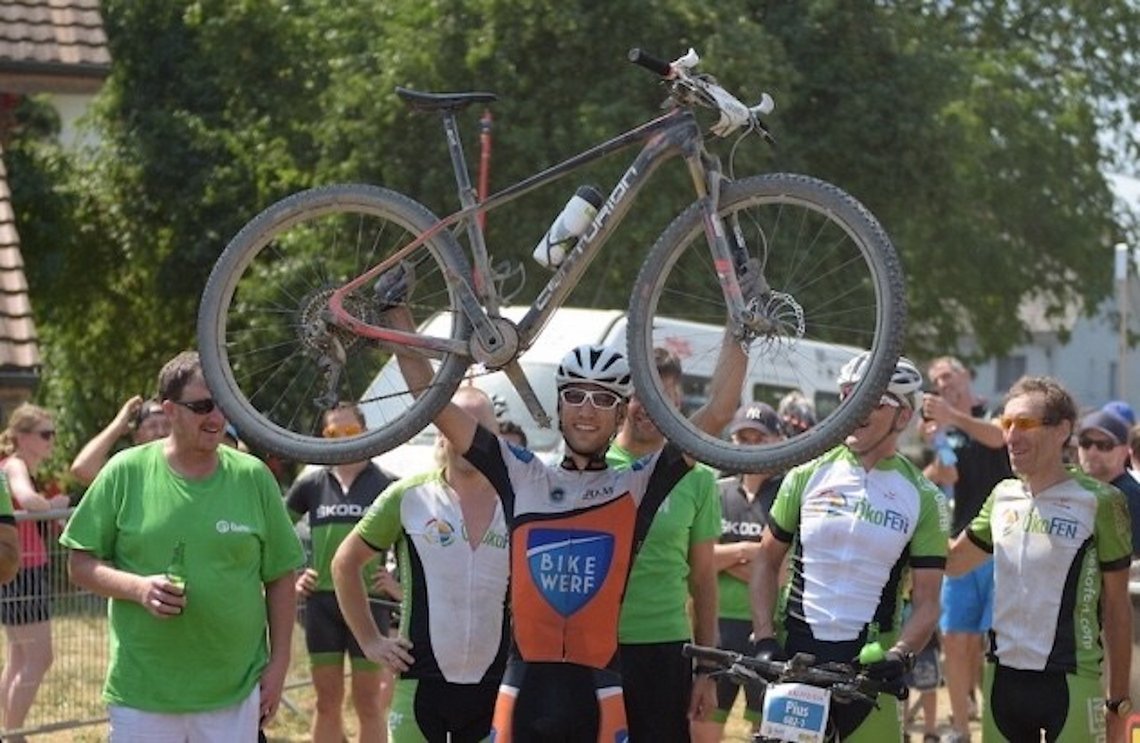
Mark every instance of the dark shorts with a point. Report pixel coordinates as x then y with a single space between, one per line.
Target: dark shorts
328 637
658 682
27 599
735 635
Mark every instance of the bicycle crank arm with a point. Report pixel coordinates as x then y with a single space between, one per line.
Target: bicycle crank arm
518 378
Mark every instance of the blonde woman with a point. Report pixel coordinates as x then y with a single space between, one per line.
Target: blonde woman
25 602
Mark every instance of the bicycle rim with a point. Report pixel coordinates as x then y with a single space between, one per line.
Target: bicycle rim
836 289
270 355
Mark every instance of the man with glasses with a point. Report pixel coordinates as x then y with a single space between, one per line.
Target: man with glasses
335 498
1061 546
856 520
203 657
574 528
1102 448
745 500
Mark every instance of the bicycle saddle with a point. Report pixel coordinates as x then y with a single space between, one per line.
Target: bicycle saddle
443 101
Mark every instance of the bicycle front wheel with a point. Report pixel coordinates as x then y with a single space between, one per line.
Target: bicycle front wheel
273 358
834 288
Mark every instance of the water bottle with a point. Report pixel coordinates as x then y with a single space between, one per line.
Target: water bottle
563 234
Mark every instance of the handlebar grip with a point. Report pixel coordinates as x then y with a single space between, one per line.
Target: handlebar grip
716 655
649 62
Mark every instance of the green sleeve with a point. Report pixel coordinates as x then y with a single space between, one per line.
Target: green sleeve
981 527
282 551
931 536
707 520
5 496
93 526
785 513
381 525
1113 528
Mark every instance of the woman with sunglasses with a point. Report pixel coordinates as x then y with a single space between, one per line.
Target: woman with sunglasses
25 602
574 528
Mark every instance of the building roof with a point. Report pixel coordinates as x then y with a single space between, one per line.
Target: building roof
18 346
52 46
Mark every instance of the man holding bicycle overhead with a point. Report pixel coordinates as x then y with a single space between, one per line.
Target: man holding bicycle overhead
574 528
856 519
1061 545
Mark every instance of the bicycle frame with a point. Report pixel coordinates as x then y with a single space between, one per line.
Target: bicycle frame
672 134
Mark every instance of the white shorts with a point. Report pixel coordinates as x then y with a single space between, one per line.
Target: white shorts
236 723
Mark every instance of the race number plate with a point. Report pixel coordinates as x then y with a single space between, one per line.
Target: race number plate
795 712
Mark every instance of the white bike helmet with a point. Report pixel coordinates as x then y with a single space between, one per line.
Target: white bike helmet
905 382
600 365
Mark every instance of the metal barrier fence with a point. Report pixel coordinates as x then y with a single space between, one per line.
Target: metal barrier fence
71 693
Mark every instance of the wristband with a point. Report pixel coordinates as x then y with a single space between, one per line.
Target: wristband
704 670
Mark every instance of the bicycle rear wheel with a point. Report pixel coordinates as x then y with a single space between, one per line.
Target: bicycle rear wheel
836 289
271 355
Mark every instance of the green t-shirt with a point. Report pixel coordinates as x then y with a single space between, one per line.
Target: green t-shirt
237 536
653 609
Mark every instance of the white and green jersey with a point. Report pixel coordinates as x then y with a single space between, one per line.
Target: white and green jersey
454 607
1049 552
853 534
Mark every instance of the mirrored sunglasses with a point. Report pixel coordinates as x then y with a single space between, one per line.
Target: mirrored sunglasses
1021 422
341 432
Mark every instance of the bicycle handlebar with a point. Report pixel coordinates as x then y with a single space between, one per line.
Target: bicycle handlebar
846 682
689 88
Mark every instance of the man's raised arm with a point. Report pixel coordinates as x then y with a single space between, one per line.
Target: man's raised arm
453 422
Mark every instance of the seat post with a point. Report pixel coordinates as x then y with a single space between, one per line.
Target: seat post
467 195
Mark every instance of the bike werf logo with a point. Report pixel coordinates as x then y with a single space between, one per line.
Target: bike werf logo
569 566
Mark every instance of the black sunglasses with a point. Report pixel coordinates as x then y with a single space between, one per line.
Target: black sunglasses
1098 444
198 407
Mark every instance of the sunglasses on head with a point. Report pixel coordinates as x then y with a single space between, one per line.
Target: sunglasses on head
340 432
1098 444
1023 422
198 407
600 399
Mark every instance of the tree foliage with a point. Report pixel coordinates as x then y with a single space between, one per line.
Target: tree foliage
974 130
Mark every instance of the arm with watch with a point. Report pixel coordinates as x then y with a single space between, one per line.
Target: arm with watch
1117 607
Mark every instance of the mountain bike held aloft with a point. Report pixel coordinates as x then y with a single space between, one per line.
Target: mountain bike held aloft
291 320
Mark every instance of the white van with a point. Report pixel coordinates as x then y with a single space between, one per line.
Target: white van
695 344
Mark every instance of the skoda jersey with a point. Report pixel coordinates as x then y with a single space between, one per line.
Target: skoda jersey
332 513
1049 552
854 532
741 520
573 536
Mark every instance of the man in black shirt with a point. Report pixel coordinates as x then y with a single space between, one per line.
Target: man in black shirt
1102 441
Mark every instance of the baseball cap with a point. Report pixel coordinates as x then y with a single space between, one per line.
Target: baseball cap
1107 423
758 416
1122 410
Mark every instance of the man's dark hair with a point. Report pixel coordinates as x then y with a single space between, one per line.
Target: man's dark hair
177 373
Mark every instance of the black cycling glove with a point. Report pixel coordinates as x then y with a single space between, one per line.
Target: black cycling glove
768 649
894 665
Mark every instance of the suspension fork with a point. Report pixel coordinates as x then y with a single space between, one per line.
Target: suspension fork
726 241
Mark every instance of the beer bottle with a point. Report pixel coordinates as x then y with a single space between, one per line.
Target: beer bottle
176 570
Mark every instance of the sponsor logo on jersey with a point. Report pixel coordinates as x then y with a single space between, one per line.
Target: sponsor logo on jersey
594 493
496 539
343 510
232 527
834 503
741 528
438 531
557 495
1056 526
569 566
888 518
826 503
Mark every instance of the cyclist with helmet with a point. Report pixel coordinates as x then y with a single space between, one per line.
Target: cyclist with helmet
574 528
856 519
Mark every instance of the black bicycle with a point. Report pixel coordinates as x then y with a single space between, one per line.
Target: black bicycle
799 692
291 320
